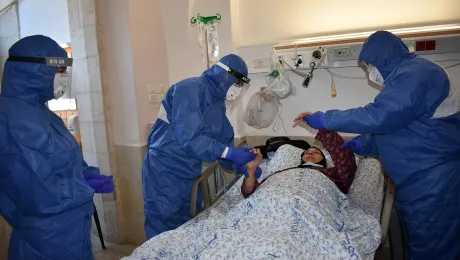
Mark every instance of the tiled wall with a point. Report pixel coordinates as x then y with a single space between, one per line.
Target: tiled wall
9 33
94 133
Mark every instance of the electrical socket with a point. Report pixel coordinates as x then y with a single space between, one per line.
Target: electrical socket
342 52
298 61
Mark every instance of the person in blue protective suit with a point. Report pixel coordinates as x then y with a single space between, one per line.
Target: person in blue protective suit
43 192
417 136
191 128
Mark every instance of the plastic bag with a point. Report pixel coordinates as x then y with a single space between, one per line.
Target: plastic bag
202 42
213 43
208 37
277 80
262 110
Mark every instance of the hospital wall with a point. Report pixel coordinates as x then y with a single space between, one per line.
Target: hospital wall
133 56
351 93
295 19
45 17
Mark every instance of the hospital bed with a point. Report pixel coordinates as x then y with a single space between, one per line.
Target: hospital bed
373 193
216 173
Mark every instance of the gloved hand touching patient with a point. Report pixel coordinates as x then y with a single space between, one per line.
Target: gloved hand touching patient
250 182
252 168
98 182
354 145
314 120
239 155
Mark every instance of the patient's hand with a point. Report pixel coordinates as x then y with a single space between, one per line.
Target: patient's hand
251 167
249 182
301 116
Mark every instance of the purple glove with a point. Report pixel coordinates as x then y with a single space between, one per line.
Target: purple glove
315 120
100 183
354 145
242 169
240 155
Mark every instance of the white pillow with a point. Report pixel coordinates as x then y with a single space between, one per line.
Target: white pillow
366 192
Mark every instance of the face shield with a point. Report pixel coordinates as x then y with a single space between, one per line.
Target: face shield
236 92
61 79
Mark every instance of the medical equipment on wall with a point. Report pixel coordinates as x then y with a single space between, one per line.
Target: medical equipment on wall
208 37
315 60
277 80
263 110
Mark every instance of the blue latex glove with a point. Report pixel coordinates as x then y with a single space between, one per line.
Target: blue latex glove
315 120
240 155
354 145
242 169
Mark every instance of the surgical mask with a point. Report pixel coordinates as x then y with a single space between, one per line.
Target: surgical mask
374 75
233 92
313 164
61 83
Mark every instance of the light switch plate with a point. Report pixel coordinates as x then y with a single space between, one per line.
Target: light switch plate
152 89
153 98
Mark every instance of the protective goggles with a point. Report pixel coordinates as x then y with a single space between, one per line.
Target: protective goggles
50 61
241 78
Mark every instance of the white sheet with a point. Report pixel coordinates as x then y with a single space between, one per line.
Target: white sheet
299 214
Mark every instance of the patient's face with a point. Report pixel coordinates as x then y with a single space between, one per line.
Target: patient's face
312 155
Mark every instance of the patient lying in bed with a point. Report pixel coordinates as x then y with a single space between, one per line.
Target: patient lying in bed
298 213
342 174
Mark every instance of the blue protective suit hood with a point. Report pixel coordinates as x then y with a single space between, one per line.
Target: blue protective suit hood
31 82
191 128
43 193
418 151
220 79
385 51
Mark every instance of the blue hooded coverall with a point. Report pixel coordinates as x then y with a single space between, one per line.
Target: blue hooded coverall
43 194
420 153
194 129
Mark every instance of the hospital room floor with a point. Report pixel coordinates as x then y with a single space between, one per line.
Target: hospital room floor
112 251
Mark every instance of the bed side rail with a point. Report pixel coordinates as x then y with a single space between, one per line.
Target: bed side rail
202 181
388 202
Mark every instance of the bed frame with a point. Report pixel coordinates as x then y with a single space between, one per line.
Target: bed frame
202 181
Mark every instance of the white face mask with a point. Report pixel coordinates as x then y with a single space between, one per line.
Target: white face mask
233 92
61 83
374 75
313 164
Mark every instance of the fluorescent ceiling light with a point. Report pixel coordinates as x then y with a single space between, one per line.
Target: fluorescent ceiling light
367 34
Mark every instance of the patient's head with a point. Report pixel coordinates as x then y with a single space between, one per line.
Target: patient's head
314 155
